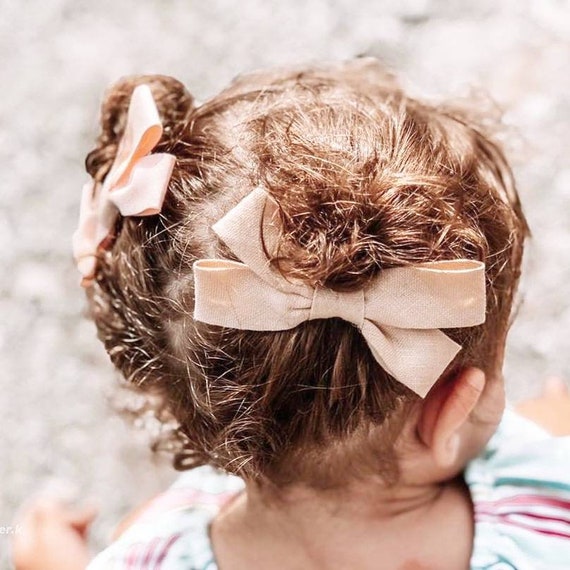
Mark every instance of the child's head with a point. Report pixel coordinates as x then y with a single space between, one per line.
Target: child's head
365 179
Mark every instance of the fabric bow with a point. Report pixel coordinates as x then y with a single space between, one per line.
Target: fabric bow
398 313
135 185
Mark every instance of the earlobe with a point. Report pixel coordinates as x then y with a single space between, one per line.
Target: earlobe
449 411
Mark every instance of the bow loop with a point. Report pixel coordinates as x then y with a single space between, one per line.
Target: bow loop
438 294
261 226
224 291
143 131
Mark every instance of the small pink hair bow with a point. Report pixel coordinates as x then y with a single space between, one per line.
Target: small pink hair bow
135 185
399 312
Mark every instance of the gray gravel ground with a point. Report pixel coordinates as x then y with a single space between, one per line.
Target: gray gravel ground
57 56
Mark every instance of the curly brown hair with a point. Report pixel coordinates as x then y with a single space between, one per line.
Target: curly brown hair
365 178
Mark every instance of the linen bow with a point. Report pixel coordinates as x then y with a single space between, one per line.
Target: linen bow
135 185
399 312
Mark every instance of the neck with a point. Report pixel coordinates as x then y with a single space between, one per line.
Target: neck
312 529
358 501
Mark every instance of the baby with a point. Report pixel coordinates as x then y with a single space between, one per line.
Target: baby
311 276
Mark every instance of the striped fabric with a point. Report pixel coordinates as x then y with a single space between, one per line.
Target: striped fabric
520 486
172 532
546 515
149 554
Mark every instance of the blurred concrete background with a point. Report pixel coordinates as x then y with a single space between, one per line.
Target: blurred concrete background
57 57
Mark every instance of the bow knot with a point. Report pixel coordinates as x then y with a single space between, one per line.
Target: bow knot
348 306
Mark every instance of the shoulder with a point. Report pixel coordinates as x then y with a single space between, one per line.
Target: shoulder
172 531
520 487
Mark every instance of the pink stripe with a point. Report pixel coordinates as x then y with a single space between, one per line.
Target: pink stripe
160 558
507 519
139 554
558 518
530 500
490 510
149 552
543 517
132 556
558 534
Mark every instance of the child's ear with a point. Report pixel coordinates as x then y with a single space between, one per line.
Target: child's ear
445 411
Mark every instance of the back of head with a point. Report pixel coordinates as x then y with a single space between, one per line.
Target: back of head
365 179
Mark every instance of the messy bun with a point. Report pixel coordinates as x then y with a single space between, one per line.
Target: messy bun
365 178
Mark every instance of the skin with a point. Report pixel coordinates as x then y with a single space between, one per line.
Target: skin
391 524
403 527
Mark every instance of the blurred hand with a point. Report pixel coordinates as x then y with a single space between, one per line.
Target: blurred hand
51 535
551 410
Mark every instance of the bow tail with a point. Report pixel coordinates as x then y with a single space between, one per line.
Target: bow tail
85 234
416 358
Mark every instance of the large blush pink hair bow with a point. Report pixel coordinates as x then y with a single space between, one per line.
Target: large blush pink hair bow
398 313
135 185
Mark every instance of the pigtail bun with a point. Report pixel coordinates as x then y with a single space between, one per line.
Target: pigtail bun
174 105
